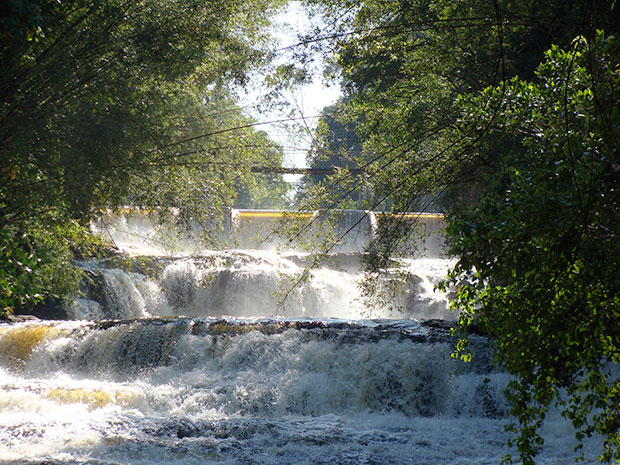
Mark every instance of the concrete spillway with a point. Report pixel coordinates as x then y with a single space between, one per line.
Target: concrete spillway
348 231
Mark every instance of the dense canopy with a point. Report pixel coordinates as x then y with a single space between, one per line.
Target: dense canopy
114 103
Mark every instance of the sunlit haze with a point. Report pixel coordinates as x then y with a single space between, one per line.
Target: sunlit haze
304 103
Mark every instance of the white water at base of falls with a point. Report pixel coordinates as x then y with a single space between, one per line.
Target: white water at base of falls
251 391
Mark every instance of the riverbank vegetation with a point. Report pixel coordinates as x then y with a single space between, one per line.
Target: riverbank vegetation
121 103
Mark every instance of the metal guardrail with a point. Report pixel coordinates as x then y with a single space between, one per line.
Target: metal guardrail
260 213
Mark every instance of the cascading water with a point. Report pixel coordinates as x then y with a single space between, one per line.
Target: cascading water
192 360
253 284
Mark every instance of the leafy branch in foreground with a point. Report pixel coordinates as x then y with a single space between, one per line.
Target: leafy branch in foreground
540 253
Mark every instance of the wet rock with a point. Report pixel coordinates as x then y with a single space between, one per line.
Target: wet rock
19 318
187 429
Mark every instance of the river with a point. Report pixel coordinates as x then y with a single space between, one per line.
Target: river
191 359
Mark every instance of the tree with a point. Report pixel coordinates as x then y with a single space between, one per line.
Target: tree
335 145
261 190
402 65
539 256
525 160
104 103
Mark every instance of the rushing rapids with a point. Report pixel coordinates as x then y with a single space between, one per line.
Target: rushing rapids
195 360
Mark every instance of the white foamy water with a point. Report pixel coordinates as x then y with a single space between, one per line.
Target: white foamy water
249 391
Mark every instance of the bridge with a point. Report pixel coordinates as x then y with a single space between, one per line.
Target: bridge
304 171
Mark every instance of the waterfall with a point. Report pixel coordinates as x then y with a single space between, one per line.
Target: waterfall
197 359
254 283
206 390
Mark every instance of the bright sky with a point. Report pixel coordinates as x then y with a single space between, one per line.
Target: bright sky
307 101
